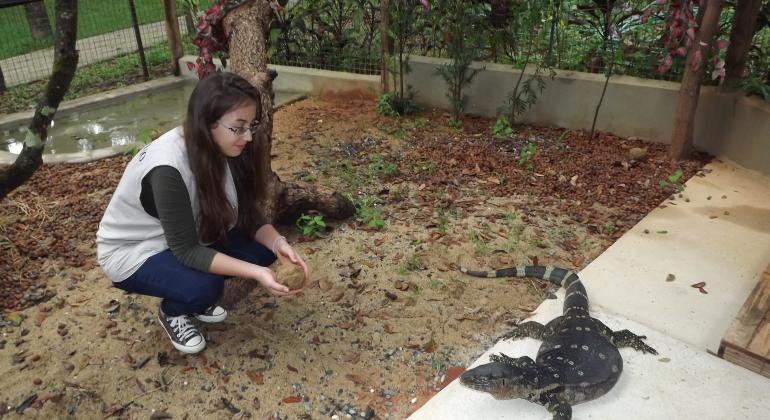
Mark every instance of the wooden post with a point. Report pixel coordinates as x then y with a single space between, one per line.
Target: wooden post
173 34
386 45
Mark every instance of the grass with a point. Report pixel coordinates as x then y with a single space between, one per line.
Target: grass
95 17
109 74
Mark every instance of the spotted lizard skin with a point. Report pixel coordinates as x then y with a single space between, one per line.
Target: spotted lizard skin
577 361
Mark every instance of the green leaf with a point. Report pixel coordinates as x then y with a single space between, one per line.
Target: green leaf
675 177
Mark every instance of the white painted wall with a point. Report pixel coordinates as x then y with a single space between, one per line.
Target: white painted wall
729 126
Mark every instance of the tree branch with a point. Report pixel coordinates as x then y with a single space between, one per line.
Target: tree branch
64 66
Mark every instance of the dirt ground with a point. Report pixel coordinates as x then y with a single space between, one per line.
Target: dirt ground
388 320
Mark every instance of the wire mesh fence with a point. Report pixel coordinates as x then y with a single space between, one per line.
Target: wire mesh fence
105 31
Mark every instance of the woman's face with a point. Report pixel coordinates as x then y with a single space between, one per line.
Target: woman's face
232 132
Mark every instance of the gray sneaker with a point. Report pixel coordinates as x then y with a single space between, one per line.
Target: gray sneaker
212 314
183 334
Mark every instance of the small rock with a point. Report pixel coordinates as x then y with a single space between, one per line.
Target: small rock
37 381
69 367
637 153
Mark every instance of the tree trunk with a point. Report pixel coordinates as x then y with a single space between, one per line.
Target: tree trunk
247 27
746 13
37 18
687 104
64 66
173 34
282 202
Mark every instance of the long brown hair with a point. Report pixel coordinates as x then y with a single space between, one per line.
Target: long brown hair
215 95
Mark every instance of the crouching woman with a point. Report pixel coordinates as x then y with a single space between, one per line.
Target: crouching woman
184 215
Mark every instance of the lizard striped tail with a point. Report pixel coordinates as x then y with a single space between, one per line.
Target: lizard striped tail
576 299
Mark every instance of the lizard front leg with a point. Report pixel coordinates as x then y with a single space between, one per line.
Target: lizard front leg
560 410
532 329
623 338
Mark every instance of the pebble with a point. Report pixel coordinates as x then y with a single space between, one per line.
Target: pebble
35 358
37 381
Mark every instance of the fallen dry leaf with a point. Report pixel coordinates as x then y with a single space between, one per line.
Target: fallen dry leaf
256 377
355 378
291 399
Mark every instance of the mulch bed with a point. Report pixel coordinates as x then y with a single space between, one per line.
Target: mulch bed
55 215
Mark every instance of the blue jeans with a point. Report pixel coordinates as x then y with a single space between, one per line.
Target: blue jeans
185 290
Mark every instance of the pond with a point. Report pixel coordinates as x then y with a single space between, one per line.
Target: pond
119 123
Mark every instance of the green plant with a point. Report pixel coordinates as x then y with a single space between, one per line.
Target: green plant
437 283
502 127
672 179
525 156
480 248
311 225
368 213
440 361
443 221
455 123
609 228
460 20
390 104
378 167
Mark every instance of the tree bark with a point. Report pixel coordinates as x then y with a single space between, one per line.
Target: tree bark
64 66
173 34
37 18
247 27
687 104
746 14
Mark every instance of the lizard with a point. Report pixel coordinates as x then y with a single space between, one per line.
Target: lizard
577 361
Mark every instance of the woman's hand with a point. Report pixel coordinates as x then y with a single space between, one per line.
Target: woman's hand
287 254
266 277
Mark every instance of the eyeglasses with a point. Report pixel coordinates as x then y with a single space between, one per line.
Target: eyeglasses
239 131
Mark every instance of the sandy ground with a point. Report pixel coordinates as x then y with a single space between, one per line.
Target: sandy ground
387 321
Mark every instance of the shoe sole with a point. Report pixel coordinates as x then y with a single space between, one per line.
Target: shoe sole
181 347
211 319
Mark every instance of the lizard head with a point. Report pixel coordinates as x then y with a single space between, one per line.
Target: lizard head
504 381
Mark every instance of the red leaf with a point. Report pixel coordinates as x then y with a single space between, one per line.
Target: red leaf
452 373
681 51
355 378
721 43
291 399
698 285
190 66
691 33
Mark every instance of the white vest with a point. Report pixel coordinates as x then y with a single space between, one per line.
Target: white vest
127 234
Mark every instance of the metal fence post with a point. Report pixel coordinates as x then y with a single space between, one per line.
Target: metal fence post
135 23
2 80
386 45
172 31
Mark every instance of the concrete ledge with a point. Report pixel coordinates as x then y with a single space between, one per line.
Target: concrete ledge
681 382
727 125
321 83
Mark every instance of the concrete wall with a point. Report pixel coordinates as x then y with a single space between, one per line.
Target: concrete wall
321 83
729 126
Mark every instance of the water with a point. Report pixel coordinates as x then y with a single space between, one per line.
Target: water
121 123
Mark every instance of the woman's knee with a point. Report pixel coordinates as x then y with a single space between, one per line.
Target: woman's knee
205 292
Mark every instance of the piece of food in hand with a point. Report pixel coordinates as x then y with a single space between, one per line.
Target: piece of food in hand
290 275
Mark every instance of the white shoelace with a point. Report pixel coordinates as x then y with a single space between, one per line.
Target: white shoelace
182 327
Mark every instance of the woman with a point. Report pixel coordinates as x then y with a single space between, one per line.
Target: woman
184 215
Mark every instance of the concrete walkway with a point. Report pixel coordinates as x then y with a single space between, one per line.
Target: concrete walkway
718 232
37 65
